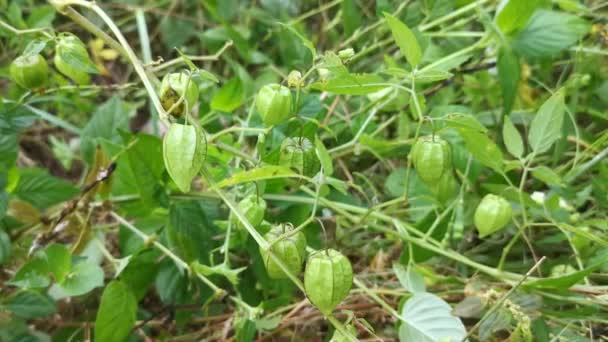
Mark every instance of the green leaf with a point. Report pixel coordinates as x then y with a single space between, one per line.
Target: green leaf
465 121
222 269
411 280
566 281
261 173
189 231
229 97
547 176
33 274
548 32
117 313
303 39
546 127
59 261
483 149
324 157
5 245
428 318
145 161
41 189
431 75
207 75
183 152
78 59
84 277
112 116
516 14
405 39
30 304
508 77
351 16
351 84
34 47
512 138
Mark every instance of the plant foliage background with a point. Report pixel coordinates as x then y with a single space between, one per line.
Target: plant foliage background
98 242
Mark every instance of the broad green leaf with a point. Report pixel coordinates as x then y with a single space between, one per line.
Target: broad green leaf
30 304
512 138
568 280
84 277
428 318
189 231
546 127
183 151
42 190
229 97
33 274
78 60
324 157
431 75
59 261
465 121
405 39
261 173
117 313
351 84
483 149
547 176
108 118
508 76
548 32
41 16
34 47
145 161
411 280
516 14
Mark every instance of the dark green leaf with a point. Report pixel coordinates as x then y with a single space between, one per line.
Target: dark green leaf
566 281
190 232
30 304
42 190
508 76
351 16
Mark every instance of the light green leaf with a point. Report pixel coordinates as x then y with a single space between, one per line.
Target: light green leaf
78 59
512 138
59 261
431 75
207 75
261 173
84 277
405 39
508 76
516 14
351 84
548 32
222 269
117 313
547 176
428 318
465 121
411 280
229 97
324 157
546 127
483 149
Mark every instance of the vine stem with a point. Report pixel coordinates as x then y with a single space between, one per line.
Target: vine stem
219 292
137 65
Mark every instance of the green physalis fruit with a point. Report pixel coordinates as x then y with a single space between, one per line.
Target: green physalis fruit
253 207
72 59
299 153
183 152
288 246
492 214
30 72
390 99
444 189
327 279
432 158
273 102
172 88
